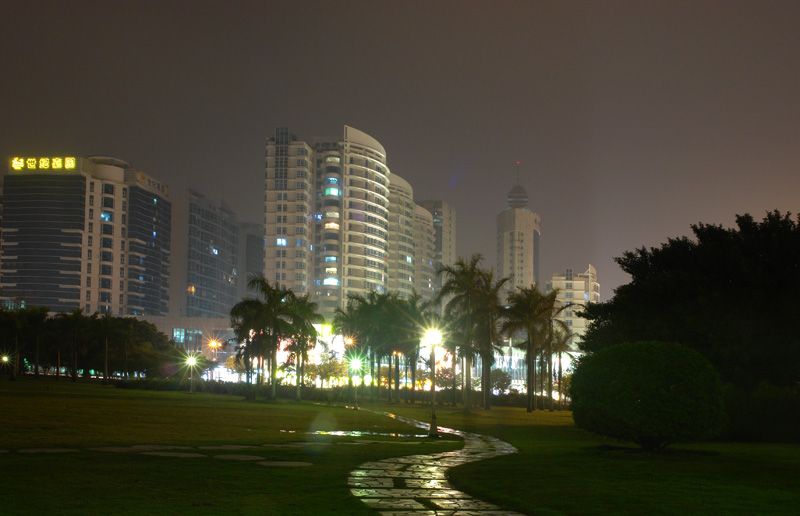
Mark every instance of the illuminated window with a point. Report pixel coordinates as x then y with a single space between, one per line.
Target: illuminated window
332 191
280 241
330 270
106 216
331 258
331 281
331 225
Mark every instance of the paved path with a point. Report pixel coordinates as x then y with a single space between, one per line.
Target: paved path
416 485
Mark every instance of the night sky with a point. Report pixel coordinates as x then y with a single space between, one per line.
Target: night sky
631 120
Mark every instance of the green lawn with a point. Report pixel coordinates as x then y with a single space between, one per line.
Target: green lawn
559 469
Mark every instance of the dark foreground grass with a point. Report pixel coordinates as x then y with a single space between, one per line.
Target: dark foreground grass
561 470
48 414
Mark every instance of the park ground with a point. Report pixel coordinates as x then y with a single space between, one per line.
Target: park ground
559 470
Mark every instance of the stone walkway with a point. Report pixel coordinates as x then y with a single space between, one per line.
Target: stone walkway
416 485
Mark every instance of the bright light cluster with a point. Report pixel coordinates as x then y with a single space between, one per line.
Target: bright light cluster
18 163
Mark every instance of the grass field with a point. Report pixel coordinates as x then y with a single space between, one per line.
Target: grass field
559 469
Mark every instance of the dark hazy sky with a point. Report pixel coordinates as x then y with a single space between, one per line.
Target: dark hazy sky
631 120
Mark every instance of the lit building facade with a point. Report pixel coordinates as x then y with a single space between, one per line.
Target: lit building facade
91 233
444 225
402 249
205 276
425 254
518 235
251 254
326 216
574 292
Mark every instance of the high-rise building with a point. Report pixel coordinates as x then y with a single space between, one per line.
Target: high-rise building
425 254
518 232
251 254
401 252
574 292
444 224
338 223
205 257
326 216
91 233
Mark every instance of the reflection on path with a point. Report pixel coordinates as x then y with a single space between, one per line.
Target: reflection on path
416 485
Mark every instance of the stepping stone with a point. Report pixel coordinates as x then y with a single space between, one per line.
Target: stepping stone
47 450
239 457
228 447
174 454
284 463
157 447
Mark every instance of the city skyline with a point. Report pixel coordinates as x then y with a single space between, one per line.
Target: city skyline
630 121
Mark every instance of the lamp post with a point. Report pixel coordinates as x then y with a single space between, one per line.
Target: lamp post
191 361
432 338
355 365
214 345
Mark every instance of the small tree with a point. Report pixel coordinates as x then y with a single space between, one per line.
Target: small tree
501 380
650 393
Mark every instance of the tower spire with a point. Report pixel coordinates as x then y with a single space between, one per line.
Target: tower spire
517 172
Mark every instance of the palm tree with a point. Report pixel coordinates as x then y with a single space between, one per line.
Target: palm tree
415 318
463 288
375 329
528 311
488 313
269 317
561 343
304 316
351 324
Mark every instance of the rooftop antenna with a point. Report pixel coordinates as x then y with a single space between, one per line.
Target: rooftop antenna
517 172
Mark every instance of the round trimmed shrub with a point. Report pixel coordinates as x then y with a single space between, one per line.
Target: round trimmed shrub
651 393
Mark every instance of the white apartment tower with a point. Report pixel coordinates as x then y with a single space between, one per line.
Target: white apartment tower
326 216
518 232
574 292
401 256
425 254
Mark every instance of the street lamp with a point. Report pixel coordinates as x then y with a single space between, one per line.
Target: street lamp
214 345
355 365
191 361
432 338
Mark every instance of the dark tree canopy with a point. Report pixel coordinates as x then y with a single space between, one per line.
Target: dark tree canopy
731 294
651 393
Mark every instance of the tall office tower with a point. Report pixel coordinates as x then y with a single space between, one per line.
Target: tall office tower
518 231
288 212
444 223
205 257
251 254
574 292
425 255
89 233
401 252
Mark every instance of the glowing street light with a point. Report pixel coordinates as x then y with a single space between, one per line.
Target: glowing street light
191 362
433 337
